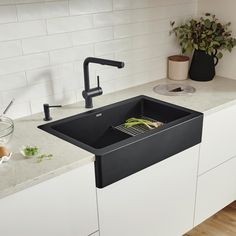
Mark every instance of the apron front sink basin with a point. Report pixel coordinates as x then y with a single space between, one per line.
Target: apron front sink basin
121 152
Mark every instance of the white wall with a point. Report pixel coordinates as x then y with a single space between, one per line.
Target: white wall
225 11
43 44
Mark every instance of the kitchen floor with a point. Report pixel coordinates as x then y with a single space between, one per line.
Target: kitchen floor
222 223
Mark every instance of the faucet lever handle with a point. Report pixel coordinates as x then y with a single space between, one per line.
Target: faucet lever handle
55 106
98 81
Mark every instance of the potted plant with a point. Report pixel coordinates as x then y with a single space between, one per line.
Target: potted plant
207 37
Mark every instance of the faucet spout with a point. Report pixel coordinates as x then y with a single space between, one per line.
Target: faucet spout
118 64
88 93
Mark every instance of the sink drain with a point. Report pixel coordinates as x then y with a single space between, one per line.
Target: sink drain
174 89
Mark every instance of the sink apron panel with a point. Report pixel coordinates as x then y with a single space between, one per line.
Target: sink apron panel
134 157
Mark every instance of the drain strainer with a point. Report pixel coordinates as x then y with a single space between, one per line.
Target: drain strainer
174 89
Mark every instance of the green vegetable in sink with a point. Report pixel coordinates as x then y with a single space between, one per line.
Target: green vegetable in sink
137 121
31 151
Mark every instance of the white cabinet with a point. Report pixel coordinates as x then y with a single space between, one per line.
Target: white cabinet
158 200
217 164
62 206
218 139
216 189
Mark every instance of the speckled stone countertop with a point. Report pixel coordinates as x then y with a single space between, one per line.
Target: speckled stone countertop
20 173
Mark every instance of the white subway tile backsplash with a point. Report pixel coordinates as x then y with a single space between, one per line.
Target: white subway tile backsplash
13 2
26 1
71 54
68 24
171 2
121 4
10 49
78 67
136 54
42 10
43 44
148 40
130 4
2 106
147 53
113 46
112 18
129 16
148 14
60 78
26 94
125 82
8 14
132 67
13 81
22 30
17 110
46 43
159 71
92 36
6 2
78 7
103 19
57 99
23 63
140 28
179 10
50 73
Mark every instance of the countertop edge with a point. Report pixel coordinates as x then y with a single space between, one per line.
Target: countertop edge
47 176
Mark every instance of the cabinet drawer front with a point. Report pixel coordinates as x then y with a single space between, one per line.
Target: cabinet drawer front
62 206
218 139
216 189
157 201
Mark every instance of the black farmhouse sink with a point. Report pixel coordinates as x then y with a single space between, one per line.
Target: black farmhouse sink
121 152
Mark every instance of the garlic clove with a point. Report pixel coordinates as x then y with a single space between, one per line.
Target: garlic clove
4 152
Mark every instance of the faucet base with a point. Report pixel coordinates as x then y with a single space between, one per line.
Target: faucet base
88 95
88 102
88 106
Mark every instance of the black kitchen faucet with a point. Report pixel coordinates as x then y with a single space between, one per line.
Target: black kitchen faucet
88 92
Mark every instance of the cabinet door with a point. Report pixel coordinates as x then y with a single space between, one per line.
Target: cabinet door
216 189
218 139
62 206
158 200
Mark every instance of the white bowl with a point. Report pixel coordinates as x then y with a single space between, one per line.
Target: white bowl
23 153
6 129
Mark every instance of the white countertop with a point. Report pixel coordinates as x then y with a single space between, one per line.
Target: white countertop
20 173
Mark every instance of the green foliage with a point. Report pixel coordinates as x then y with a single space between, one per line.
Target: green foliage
206 34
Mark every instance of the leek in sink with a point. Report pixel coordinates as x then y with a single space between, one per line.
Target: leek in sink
137 121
